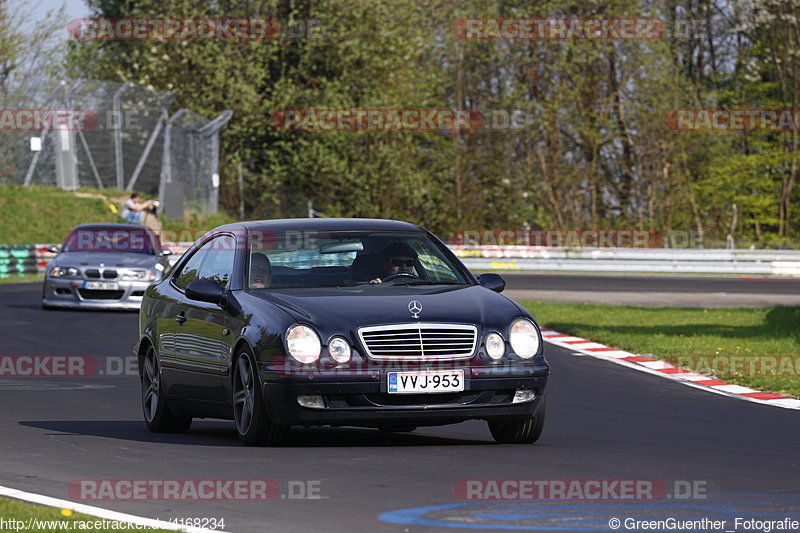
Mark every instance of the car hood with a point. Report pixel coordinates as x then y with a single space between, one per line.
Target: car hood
108 259
346 309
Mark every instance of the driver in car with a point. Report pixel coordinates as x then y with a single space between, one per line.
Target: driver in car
399 260
260 271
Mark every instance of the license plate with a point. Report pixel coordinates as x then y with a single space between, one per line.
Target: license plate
101 285
422 382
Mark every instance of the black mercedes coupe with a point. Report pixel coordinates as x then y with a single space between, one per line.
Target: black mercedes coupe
339 322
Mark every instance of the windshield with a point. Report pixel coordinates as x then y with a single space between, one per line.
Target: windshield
348 258
111 240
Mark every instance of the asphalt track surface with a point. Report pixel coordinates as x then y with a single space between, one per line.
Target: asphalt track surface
648 290
605 422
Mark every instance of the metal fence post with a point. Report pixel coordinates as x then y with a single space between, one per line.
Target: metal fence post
150 142
35 159
118 134
166 160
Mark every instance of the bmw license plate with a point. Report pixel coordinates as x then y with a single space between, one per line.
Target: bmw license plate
101 285
422 382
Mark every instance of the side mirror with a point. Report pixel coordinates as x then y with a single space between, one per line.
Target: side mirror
165 252
53 248
493 282
205 290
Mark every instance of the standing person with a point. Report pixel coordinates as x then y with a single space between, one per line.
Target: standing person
132 208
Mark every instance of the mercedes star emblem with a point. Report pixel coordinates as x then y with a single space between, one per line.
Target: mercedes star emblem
415 307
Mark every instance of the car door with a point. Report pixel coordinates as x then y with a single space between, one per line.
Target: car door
170 318
203 339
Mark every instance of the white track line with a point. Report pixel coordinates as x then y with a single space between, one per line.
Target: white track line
97 511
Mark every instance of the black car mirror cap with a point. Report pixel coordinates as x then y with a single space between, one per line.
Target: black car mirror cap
205 290
493 282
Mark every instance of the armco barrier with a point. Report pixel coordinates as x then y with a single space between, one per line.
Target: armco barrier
18 259
32 259
660 260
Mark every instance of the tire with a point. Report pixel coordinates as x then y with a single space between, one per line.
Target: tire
253 424
519 430
44 305
157 414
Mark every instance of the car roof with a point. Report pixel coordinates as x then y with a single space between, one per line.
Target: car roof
324 224
110 225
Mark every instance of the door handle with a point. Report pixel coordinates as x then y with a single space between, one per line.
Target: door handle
181 318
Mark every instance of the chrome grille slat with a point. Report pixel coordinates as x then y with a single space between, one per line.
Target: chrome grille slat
420 341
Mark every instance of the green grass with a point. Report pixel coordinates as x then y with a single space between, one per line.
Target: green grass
669 333
34 215
45 215
18 510
21 277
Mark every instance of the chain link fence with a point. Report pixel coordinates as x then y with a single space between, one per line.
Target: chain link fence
88 133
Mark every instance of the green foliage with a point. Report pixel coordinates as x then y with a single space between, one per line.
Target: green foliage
596 151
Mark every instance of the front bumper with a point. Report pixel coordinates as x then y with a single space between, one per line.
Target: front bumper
71 294
365 402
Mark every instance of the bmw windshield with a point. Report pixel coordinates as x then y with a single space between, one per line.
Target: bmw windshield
110 240
348 258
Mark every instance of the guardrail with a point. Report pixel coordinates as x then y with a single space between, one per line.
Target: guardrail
21 259
659 260
33 258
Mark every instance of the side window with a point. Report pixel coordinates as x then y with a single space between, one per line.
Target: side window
214 260
191 269
218 262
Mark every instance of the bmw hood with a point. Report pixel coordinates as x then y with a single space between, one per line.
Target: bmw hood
108 259
338 310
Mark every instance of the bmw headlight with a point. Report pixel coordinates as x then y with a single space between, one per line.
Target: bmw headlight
136 274
64 272
339 349
495 346
303 344
524 338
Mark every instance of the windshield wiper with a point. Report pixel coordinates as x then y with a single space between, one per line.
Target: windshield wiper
428 282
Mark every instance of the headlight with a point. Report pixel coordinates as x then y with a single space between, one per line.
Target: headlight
524 338
136 274
303 344
64 272
339 349
495 346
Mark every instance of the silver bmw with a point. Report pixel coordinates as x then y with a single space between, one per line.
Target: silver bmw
104 266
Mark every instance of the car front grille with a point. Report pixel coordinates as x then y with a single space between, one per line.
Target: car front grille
420 341
88 294
95 273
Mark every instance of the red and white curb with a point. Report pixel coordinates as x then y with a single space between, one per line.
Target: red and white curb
665 369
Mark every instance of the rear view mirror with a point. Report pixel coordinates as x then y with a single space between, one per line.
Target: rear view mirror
341 247
53 248
493 282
